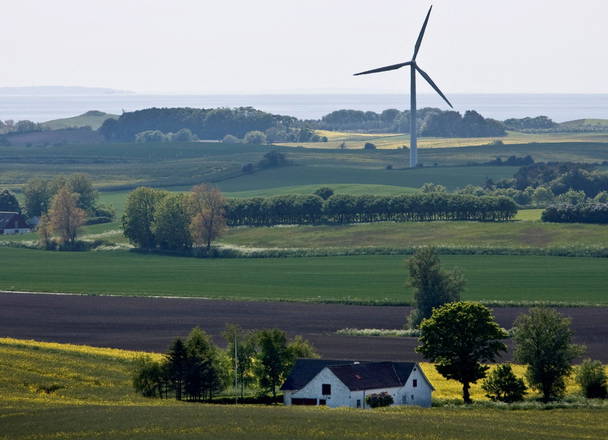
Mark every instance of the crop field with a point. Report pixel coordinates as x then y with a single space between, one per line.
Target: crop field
62 392
374 279
516 234
397 140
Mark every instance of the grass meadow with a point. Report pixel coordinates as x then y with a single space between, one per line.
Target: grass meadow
64 392
360 279
516 234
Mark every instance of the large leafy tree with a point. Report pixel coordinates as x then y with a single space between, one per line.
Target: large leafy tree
139 216
207 206
37 197
460 338
433 286
65 216
82 185
171 223
205 376
543 341
276 357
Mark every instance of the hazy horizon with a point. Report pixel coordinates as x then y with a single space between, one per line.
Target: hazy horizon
313 47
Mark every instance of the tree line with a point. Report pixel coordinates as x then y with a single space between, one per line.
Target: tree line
341 208
195 369
579 213
238 124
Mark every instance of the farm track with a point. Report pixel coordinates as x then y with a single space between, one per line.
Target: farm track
149 324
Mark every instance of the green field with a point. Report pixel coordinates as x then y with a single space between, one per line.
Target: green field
64 392
517 234
376 279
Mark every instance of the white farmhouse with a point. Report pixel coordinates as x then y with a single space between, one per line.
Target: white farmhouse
337 383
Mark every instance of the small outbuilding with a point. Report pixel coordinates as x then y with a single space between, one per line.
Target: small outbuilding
13 223
340 383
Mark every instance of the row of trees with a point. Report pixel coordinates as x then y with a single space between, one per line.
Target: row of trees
340 208
196 369
174 221
461 338
181 135
577 213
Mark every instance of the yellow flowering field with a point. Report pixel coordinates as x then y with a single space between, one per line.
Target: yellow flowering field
70 392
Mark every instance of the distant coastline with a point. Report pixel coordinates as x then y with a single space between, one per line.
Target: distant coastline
44 106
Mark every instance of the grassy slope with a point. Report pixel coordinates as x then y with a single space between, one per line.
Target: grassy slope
360 278
95 400
403 235
91 119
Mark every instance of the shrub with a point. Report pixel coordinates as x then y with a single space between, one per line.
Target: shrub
229 139
503 386
591 377
369 146
324 192
151 136
255 137
378 400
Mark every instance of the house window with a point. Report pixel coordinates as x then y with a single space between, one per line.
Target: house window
412 397
415 383
358 403
326 389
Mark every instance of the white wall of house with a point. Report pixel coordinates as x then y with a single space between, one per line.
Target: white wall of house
420 395
340 394
12 231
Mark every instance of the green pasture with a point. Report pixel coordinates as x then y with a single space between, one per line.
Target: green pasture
377 279
517 234
64 392
450 177
91 119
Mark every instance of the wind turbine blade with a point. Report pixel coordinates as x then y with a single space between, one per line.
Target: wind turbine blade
433 85
419 40
384 69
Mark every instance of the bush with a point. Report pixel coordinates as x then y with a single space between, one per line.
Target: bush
183 135
255 137
229 139
369 146
324 192
151 136
379 400
503 386
591 377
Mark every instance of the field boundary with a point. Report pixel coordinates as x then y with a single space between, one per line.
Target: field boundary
345 301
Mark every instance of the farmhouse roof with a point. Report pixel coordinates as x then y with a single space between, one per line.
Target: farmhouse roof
305 370
373 375
355 375
10 220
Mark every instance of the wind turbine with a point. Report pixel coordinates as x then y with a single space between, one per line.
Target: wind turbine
413 69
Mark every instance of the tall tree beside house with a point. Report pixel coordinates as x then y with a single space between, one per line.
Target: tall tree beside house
276 357
432 285
461 338
82 185
207 206
8 202
37 197
65 216
543 341
138 219
171 223
44 232
242 346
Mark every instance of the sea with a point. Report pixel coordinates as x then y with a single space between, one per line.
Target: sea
559 107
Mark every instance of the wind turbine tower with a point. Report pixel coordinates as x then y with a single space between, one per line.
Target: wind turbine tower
413 69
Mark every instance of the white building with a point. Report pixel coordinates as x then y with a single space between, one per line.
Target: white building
347 383
13 223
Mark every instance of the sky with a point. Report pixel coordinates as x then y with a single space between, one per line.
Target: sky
304 46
